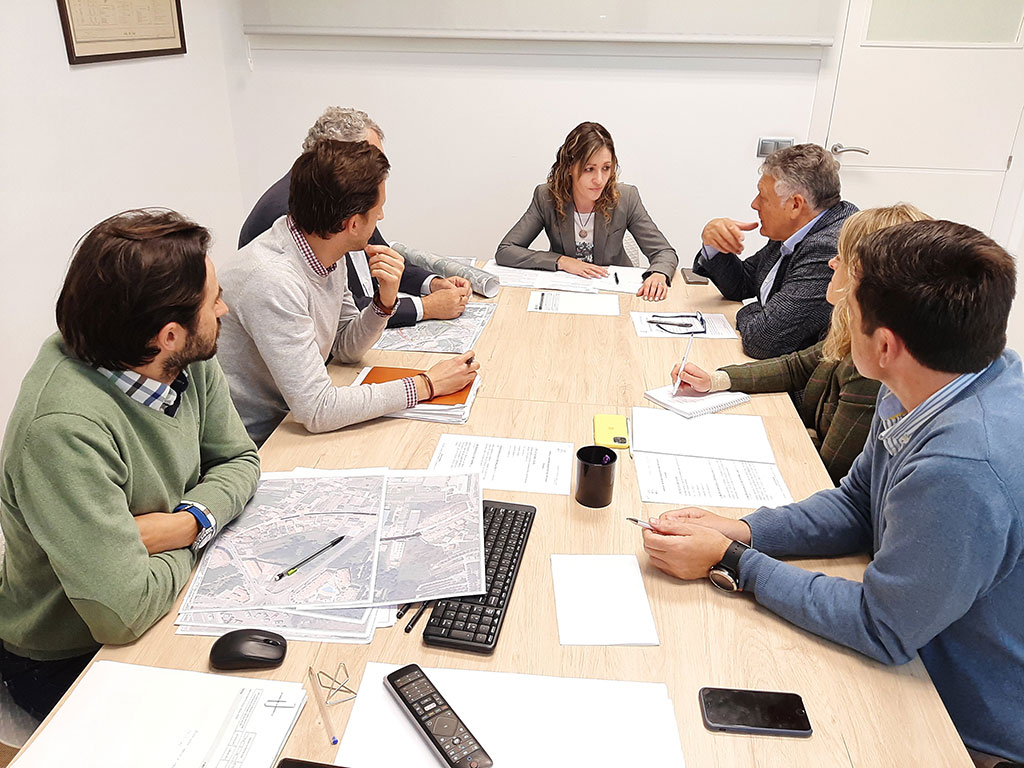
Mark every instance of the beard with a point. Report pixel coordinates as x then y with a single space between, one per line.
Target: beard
197 348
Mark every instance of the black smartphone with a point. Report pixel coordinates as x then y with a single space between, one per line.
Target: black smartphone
763 712
691 277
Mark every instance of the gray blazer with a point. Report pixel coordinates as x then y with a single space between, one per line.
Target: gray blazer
630 214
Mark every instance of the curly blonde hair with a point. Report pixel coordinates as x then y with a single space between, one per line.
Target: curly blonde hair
579 146
855 228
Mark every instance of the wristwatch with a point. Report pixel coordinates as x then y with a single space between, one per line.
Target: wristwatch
207 523
726 574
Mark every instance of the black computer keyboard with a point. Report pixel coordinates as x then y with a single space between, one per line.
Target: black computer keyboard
473 623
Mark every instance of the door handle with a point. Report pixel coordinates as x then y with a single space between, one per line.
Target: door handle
838 149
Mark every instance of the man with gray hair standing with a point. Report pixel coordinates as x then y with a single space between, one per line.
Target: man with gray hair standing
431 297
798 202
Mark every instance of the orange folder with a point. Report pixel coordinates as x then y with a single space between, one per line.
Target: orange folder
380 374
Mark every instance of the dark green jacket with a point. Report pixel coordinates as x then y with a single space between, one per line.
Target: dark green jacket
837 404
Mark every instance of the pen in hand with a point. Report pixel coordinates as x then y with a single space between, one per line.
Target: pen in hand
679 380
641 523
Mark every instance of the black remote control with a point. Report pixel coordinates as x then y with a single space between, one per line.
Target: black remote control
435 720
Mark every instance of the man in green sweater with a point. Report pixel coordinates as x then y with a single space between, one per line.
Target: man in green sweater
123 456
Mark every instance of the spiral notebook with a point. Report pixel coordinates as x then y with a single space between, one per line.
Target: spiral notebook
691 404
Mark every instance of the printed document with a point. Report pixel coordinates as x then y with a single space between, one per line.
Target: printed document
666 479
719 460
506 464
562 303
590 731
127 715
601 600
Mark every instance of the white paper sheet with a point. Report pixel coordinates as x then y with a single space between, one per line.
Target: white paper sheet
668 479
506 464
601 600
562 303
126 715
513 277
732 436
717 327
521 720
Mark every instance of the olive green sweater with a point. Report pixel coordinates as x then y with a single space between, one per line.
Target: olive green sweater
837 402
80 458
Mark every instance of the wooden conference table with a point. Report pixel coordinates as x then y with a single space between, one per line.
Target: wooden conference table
544 378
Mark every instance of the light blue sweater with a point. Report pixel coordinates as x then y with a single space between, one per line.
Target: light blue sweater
944 522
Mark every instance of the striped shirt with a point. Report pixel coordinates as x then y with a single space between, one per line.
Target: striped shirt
899 425
150 392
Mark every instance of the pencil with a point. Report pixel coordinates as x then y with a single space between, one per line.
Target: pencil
319 696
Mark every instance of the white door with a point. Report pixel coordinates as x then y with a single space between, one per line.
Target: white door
933 91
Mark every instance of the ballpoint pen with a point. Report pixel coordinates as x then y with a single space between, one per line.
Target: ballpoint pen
416 616
629 437
641 523
319 696
682 365
540 304
402 610
616 276
294 568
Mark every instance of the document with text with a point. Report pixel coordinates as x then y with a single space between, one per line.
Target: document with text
666 479
562 303
506 464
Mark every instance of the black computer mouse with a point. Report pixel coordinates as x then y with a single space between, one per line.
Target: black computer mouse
248 649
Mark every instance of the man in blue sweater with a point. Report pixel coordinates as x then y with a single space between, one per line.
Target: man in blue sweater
937 496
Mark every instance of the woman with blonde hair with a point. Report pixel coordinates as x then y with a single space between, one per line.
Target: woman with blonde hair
585 213
837 403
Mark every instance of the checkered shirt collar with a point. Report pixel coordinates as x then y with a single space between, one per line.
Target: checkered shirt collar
307 252
899 425
150 392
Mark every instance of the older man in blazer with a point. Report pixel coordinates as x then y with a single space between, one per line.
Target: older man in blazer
430 297
798 203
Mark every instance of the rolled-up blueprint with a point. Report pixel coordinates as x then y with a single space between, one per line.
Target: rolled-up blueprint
483 283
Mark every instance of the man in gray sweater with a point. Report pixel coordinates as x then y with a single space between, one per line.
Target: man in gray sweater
936 498
293 310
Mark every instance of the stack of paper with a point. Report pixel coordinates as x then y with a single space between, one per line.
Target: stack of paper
408 536
721 460
125 716
689 403
582 722
446 409
618 279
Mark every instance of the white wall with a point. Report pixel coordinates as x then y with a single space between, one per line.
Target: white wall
80 143
470 135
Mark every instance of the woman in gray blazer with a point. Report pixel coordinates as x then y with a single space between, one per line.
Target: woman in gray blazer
585 213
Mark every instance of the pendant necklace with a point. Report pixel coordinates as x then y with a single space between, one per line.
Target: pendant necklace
584 227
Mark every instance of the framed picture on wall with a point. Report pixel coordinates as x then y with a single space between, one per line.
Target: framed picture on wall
104 30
